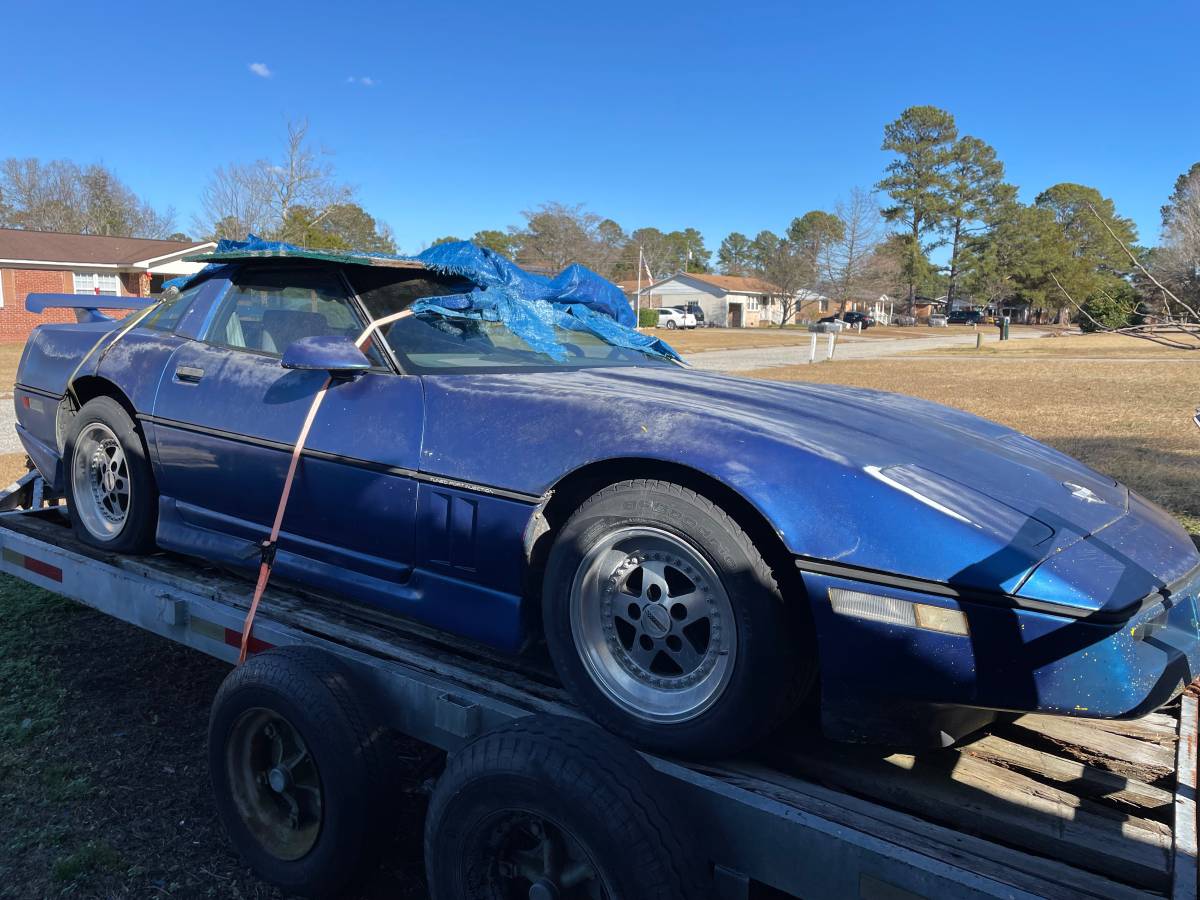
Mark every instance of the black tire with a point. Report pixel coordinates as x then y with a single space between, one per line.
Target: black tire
774 656
670 323
591 794
311 693
136 534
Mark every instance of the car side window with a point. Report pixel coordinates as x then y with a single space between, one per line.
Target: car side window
170 309
266 311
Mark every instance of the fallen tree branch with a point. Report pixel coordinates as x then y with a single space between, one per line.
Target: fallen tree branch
1137 331
1191 312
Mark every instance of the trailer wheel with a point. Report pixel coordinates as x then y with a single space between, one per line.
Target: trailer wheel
298 770
548 807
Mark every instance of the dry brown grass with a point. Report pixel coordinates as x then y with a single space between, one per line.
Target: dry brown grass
12 467
1130 420
1085 346
702 339
10 355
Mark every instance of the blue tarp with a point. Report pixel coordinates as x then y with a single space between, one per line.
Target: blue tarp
528 305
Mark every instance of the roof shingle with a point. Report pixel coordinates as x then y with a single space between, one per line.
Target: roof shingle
738 284
54 246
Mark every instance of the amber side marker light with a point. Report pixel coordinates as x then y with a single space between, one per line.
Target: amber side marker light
877 608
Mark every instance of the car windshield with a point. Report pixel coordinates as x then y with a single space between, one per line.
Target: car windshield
429 342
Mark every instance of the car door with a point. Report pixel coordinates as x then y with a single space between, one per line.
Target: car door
227 415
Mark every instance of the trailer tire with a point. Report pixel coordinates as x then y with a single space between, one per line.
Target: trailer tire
563 795
290 737
109 437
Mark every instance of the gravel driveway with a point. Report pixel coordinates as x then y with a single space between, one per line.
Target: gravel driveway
847 348
9 442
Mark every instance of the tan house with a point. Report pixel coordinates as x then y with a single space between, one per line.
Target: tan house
731 301
47 262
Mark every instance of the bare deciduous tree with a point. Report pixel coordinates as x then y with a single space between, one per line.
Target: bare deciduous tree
1177 261
846 264
63 196
556 235
260 196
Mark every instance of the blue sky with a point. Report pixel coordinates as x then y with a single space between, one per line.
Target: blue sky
725 117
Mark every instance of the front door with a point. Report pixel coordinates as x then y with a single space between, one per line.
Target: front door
735 315
227 415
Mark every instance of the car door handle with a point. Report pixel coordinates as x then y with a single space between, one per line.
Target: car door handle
189 374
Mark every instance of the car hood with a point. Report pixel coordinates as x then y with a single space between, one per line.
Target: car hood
1061 531
912 442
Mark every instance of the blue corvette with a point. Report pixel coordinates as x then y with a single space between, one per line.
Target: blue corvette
700 554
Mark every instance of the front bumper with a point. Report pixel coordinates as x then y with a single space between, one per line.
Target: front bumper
880 680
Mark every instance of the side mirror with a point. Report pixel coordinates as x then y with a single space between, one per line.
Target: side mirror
332 353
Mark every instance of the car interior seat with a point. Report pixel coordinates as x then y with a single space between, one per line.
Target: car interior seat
283 327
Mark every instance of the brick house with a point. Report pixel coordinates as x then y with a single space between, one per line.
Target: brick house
46 262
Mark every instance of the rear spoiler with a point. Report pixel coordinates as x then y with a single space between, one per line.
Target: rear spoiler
87 306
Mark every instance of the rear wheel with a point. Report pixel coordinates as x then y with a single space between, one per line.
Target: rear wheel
112 500
670 323
667 625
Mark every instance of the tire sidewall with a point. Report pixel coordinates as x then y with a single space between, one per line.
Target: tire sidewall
591 785
755 600
141 521
345 820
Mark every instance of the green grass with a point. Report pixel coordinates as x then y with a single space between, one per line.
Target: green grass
92 858
65 782
30 698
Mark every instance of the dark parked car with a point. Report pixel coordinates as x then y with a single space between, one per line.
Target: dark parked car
695 310
857 318
851 318
698 555
965 317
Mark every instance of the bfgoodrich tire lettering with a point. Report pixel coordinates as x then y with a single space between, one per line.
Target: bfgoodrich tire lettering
726 664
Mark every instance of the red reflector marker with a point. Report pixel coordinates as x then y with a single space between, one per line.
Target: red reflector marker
54 573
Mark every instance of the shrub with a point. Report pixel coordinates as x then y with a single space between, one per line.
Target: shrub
648 318
1111 311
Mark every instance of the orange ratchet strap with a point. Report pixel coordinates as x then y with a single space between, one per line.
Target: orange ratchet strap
269 545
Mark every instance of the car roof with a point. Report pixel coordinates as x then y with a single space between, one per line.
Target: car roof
301 253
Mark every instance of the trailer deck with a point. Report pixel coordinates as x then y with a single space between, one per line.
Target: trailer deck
1036 806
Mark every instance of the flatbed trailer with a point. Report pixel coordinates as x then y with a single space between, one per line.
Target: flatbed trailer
1036 806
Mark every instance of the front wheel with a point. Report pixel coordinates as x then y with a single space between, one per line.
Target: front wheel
111 497
667 625
670 324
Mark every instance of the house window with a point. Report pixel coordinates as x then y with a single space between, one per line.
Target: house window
753 304
823 305
96 283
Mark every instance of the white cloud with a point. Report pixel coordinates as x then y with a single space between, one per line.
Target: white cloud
261 70
365 80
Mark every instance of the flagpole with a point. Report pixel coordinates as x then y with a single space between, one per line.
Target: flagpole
638 321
